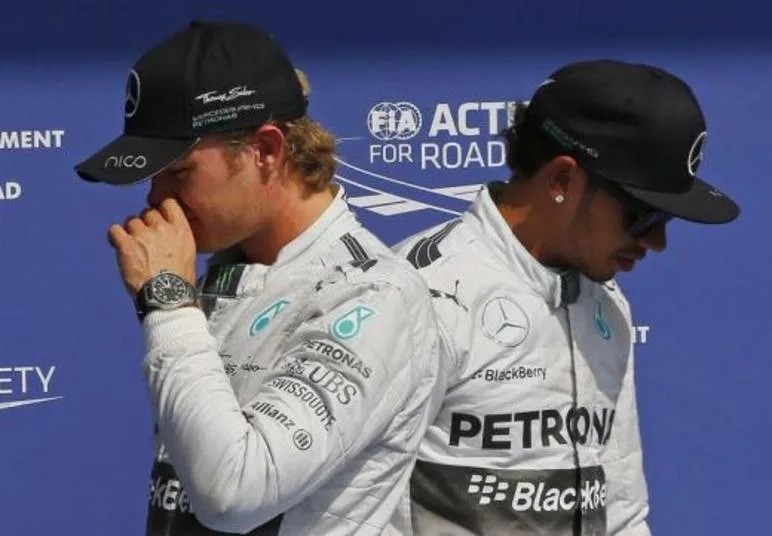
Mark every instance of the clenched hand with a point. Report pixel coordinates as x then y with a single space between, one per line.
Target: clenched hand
159 239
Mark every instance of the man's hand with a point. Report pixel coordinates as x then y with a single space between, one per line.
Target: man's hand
159 239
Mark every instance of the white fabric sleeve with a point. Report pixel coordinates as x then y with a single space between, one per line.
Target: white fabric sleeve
338 382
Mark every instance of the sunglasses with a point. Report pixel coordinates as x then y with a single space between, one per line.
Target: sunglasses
640 218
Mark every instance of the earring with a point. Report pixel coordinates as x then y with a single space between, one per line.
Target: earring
559 198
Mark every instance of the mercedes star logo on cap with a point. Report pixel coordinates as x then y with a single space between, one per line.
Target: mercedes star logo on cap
132 94
695 153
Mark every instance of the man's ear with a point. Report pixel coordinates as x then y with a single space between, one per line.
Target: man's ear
562 176
268 145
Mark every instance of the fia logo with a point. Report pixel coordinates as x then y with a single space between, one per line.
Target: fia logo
600 322
348 325
394 120
262 320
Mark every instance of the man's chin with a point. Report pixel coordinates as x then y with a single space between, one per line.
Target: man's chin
203 249
223 251
204 246
598 277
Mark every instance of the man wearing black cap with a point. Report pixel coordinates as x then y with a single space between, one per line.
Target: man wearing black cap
292 386
538 432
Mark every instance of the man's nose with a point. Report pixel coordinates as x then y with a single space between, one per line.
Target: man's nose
160 188
655 239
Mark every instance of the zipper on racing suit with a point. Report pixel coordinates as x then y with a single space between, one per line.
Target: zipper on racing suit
577 521
569 294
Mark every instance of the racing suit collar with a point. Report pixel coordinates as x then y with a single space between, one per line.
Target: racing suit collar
557 288
321 231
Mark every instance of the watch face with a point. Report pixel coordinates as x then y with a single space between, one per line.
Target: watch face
169 288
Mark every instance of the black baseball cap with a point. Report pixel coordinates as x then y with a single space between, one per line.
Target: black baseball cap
211 77
637 126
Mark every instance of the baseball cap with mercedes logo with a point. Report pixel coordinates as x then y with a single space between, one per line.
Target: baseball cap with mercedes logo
212 77
637 126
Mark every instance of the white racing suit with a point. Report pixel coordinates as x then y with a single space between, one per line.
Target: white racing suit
295 401
538 432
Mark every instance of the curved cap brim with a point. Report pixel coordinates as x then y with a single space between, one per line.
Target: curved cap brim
132 159
702 203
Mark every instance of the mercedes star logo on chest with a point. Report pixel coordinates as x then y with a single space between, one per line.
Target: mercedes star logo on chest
504 322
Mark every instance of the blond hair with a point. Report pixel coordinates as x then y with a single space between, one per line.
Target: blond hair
310 148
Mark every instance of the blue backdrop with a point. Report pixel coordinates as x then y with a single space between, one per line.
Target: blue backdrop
78 464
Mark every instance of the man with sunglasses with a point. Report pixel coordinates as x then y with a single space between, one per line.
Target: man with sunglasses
538 432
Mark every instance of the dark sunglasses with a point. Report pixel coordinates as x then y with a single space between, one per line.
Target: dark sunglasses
640 218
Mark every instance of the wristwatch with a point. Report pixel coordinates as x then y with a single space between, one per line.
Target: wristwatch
165 291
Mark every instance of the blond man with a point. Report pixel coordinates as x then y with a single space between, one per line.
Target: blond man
292 385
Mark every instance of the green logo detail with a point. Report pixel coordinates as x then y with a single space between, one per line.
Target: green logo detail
600 323
264 319
224 278
348 325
